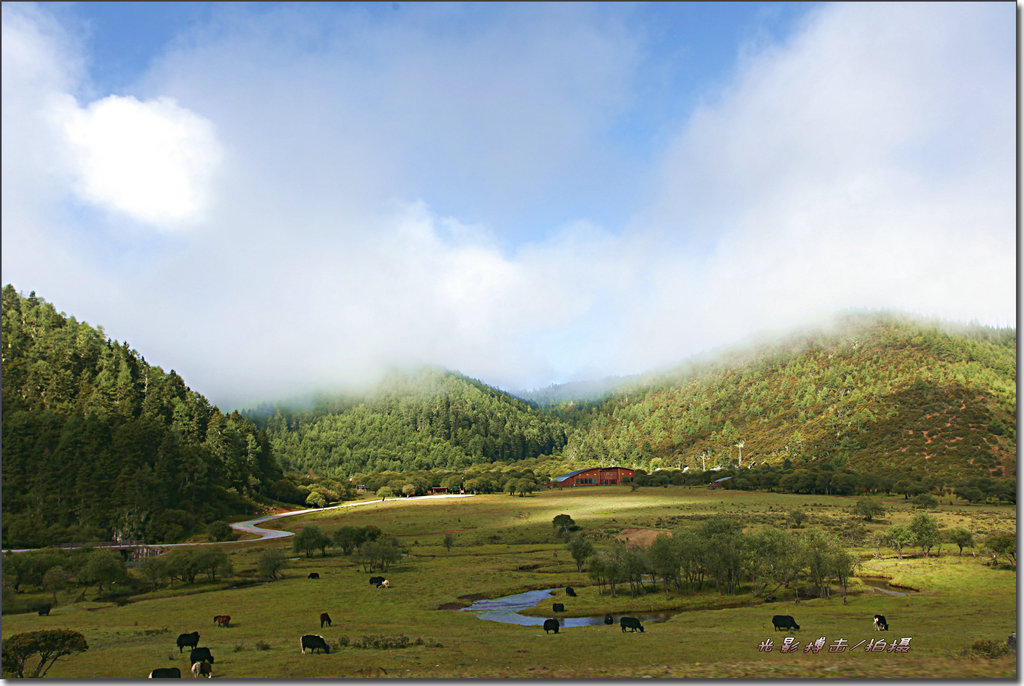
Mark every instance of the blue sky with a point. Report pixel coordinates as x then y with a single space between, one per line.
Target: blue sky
273 198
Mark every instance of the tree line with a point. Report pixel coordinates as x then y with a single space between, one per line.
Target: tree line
98 444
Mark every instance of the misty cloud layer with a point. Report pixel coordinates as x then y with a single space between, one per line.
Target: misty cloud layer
321 197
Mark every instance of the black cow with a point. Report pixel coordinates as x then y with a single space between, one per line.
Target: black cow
314 643
324 619
376 580
165 673
550 625
784 622
631 623
880 623
608 619
313 575
200 654
557 607
43 609
191 640
570 591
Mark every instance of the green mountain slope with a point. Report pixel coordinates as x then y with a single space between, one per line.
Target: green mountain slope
425 419
97 443
879 393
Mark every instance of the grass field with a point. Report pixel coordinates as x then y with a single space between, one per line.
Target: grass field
505 545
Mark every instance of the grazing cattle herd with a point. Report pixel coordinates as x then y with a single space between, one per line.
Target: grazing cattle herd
202 660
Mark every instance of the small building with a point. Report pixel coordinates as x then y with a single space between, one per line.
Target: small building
438 489
719 483
595 476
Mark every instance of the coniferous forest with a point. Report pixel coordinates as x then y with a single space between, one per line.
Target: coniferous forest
98 444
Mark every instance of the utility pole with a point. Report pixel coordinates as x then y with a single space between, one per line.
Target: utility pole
739 447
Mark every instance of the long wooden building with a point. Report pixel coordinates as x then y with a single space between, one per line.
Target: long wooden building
595 476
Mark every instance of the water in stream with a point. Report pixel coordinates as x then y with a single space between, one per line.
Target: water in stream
506 609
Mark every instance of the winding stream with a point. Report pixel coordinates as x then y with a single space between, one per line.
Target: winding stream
506 610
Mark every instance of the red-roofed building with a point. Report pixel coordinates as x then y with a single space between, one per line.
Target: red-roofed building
595 476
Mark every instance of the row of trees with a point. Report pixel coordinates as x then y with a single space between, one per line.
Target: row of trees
717 553
833 477
367 545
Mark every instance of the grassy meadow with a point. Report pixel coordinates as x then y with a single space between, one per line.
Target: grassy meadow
505 545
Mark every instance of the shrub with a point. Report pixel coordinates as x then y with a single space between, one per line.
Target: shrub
262 645
988 648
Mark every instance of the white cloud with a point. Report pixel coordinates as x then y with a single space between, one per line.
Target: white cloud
349 222
151 160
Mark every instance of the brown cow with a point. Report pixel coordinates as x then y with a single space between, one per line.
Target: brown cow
202 669
222 620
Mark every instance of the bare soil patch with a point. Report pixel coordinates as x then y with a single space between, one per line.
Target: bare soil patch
640 537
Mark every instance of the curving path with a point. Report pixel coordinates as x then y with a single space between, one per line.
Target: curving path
250 525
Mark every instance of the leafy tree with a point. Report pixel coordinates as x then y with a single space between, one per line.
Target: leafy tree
1002 544
348 538
962 537
183 563
102 568
49 645
212 560
219 531
55 579
925 530
309 539
316 498
154 569
448 541
580 548
563 524
385 492
971 494
664 560
270 564
798 517
898 536
409 490
868 508
925 501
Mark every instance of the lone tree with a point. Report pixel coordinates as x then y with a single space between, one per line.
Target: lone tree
962 537
270 564
49 645
580 549
868 509
385 492
563 524
448 541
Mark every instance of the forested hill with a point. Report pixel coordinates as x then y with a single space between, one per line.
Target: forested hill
424 419
877 393
97 443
